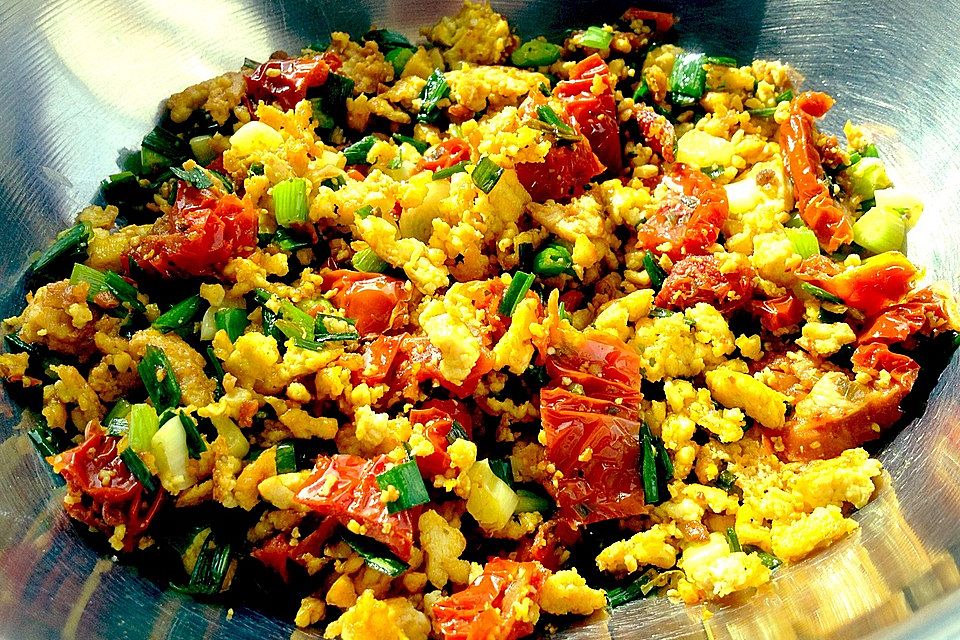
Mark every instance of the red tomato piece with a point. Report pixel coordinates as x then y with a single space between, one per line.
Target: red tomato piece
345 487
279 551
819 211
198 236
485 609
437 417
448 153
923 311
595 112
689 218
286 82
777 313
850 413
568 167
875 284
657 132
607 368
376 302
662 21
108 494
700 279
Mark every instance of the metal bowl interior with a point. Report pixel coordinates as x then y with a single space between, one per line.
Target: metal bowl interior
84 80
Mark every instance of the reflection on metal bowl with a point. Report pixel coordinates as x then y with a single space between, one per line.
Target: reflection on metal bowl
84 79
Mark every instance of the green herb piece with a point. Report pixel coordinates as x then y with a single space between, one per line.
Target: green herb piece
688 80
47 441
434 91
656 468
231 320
180 316
880 230
596 38
363 211
460 167
202 149
732 540
335 183
769 560
388 40
143 424
218 372
457 432
502 468
486 174
398 58
419 145
162 148
368 261
720 61
375 555
210 569
637 589
69 245
535 53
256 169
195 443
249 63
286 458
643 90
159 379
552 260
290 201
138 469
318 343
196 177
406 478
357 152
515 292
726 481
531 501
294 322
115 422
804 241
654 271
820 294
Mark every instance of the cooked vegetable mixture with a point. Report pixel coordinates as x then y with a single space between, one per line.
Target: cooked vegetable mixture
450 339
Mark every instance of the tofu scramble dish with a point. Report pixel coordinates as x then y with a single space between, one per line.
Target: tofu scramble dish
473 337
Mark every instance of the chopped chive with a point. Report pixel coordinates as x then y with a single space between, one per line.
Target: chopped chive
196 177
502 469
688 79
622 595
653 269
286 457
256 169
804 241
70 244
95 279
180 316
820 294
218 372
47 441
209 570
98 281
202 148
419 145
457 432
546 113
713 172
368 261
318 343
363 211
357 152
769 560
162 148
406 478
732 540
143 424
225 182
249 63
159 379
721 61
434 91
138 469
295 323
460 167
535 53
870 151
388 40
515 292
290 201
596 38
786 96
643 90
486 174
231 320
531 501
552 260
195 443
335 183
375 555
115 422
726 480
648 467
398 59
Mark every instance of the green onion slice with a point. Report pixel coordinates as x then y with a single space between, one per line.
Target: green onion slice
804 241
159 379
132 459
143 424
231 320
419 145
457 432
195 443
486 174
732 540
460 167
71 243
217 371
180 316
398 59
535 53
515 292
531 501
721 61
286 458
368 261
552 260
688 80
357 152
375 555
653 269
48 442
318 343
290 201
196 177
502 469
406 478
596 38
335 183
820 294
434 91
210 569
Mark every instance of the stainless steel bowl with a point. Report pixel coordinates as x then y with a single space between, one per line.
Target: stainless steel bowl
83 79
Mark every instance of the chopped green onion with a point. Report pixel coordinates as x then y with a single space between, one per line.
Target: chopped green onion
419 145
180 316
290 201
47 441
651 484
596 38
767 112
531 501
225 182
115 422
654 271
202 148
622 595
880 230
870 151
804 241
138 469
294 322
336 90
406 478
95 279
688 80
70 244
643 90
196 177
515 292
357 152
249 63
721 61
486 174
218 372
457 432
321 326
159 379
162 148
387 40
732 540
122 290
195 443
460 167
231 320
368 261
363 211
786 96
209 570
375 555
726 480
555 125
256 169
286 457
143 424
317 344
867 176
713 172
434 91
502 468
552 260
398 59
535 53
820 294
335 183
769 560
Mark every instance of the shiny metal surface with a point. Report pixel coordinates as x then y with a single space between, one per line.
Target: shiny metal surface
83 79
